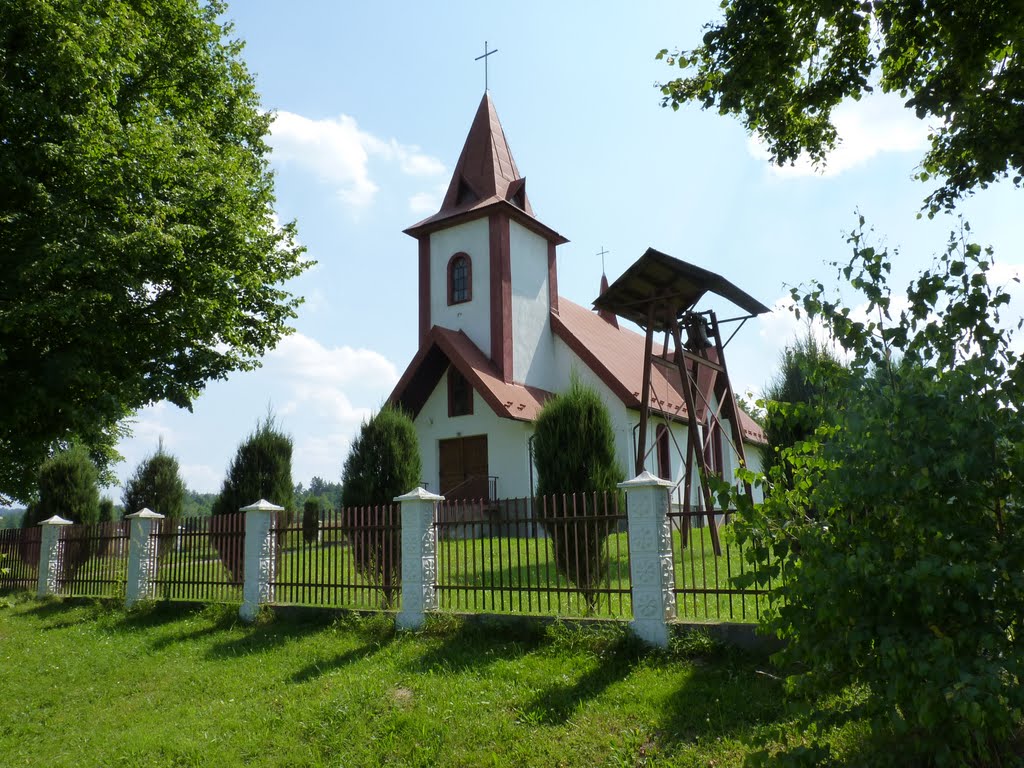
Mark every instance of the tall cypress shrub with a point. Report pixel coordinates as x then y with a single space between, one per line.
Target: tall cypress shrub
311 519
383 462
261 469
68 487
156 484
574 452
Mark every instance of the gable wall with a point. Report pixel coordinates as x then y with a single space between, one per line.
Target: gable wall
507 456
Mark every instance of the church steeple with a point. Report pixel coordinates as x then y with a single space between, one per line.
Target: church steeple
487 266
486 171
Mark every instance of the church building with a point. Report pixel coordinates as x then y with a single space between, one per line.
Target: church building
496 340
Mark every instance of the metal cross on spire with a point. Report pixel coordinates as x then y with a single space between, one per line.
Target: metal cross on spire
602 253
484 57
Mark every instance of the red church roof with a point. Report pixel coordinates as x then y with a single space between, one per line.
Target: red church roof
616 355
443 347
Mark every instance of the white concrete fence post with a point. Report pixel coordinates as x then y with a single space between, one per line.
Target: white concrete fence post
142 555
419 557
49 555
650 557
260 558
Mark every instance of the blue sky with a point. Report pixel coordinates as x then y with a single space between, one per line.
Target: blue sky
374 101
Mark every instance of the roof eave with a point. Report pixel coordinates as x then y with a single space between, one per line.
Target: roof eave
441 220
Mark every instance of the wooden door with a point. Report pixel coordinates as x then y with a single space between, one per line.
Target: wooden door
464 467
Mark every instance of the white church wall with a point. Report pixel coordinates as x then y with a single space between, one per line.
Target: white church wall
567 361
532 353
507 449
473 316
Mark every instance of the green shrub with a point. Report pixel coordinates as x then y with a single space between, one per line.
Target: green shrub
574 452
68 487
311 520
261 469
906 579
156 484
383 462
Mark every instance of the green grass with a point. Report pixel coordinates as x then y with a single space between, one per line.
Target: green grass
91 685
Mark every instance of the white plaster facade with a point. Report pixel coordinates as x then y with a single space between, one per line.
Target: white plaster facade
473 316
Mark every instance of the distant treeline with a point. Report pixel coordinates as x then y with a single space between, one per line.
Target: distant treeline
201 504
11 518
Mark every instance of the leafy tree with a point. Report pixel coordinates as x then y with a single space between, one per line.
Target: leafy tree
141 255
784 66
908 580
156 484
261 469
383 462
574 451
311 519
801 395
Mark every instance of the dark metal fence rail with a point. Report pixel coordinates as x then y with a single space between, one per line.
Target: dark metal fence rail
199 558
564 556
709 586
93 559
351 560
20 547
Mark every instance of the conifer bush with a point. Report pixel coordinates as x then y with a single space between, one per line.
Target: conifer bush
261 469
157 485
311 519
574 452
383 462
68 487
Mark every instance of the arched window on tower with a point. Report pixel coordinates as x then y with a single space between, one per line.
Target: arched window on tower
460 278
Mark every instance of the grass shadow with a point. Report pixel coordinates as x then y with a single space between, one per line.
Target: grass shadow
726 693
478 643
267 634
326 666
557 703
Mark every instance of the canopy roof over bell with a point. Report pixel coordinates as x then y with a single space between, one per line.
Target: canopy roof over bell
658 289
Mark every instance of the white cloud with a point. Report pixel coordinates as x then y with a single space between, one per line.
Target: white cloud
305 359
339 153
877 123
428 202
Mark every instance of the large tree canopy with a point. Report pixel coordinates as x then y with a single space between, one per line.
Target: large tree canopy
139 256
784 66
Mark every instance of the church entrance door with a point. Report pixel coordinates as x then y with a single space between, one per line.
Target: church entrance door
464 467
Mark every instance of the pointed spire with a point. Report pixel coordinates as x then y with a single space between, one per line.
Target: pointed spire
607 315
486 168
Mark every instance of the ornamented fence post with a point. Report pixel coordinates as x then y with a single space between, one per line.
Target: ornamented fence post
49 555
419 557
142 555
650 557
260 557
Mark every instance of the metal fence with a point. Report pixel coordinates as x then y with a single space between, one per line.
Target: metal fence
93 559
351 559
564 556
20 548
200 558
710 586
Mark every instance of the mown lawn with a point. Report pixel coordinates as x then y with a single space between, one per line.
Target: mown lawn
88 684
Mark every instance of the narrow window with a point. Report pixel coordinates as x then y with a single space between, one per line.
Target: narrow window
460 279
460 394
664 461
